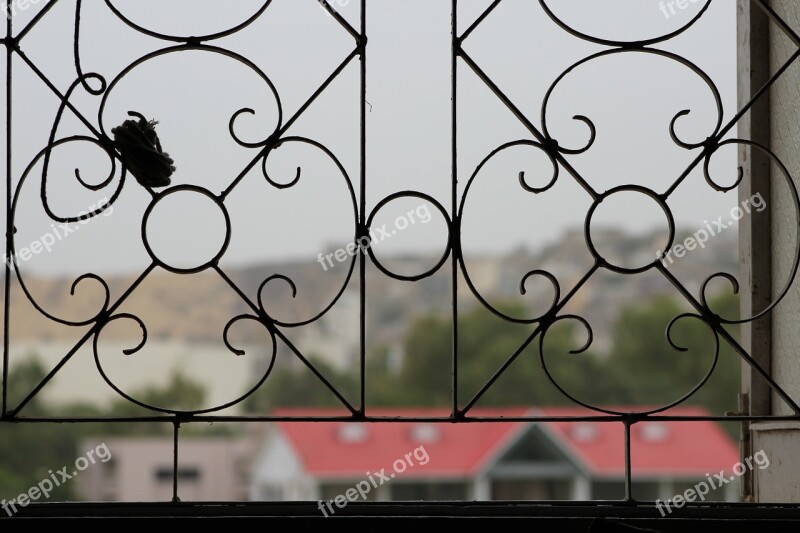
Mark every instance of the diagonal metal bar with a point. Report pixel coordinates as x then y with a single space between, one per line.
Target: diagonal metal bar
527 123
273 328
721 331
94 329
42 12
271 324
341 20
237 290
778 20
289 123
60 95
278 333
729 126
475 24
553 312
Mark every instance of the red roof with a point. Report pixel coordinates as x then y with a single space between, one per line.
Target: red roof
455 450
351 449
677 449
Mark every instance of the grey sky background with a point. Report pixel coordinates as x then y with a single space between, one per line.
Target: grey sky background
630 97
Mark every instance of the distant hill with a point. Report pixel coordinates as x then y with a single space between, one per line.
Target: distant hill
196 307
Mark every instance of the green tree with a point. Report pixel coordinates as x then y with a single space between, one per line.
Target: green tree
486 343
641 369
28 449
654 372
299 387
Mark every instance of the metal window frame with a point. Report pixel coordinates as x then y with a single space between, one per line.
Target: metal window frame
754 17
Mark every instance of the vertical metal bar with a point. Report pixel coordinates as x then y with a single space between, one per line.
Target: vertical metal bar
9 221
454 204
754 231
362 208
176 425
628 483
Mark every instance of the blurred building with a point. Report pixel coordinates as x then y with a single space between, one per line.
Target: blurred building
488 461
141 468
420 461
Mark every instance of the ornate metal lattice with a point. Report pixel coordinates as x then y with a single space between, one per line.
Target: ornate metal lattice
100 85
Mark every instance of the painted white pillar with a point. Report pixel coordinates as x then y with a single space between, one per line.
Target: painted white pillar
482 489
581 488
666 489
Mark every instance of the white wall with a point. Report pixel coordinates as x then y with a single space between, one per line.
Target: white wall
779 482
276 465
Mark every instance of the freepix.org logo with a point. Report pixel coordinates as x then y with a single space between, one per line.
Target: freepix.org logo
55 479
12 8
334 4
668 7
712 482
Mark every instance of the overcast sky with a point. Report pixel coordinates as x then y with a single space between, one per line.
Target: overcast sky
631 99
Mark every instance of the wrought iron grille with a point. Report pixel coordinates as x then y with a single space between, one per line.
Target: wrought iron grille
126 163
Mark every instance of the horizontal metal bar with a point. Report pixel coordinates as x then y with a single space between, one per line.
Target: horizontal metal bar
707 512
188 419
